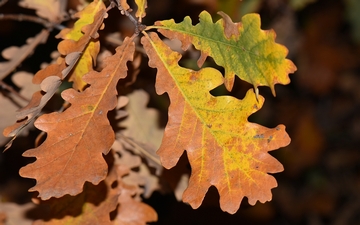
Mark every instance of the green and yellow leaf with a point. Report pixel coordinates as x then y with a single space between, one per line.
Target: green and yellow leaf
224 149
243 49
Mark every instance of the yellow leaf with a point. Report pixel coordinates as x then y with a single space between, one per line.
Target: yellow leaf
223 148
142 5
86 61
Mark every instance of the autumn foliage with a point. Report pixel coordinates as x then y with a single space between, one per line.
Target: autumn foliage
86 160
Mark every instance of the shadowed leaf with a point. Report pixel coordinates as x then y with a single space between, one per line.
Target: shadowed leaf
52 10
91 207
130 210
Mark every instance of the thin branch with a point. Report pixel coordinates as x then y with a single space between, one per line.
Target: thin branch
34 19
139 27
139 149
12 91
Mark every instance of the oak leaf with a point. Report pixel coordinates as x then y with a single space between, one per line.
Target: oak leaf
144 134
88 57
224 149
140 12
16 213
92 207
139 175
77 137
51 77
241 48
11 103
130 210
52 10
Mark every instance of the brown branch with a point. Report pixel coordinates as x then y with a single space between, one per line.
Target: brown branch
12 91
22 17
138 26
34 19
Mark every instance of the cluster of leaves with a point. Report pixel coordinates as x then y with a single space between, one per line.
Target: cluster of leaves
84 165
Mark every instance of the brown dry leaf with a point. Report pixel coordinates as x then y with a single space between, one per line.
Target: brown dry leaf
77 137
91 207
141 177
52 10
16 214
131 211
16 55
145 133
51 77
22 80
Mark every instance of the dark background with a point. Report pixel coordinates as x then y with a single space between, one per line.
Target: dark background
320 108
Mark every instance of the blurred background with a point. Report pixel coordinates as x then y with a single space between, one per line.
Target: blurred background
320 108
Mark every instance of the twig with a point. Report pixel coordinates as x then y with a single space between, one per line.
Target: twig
12 91
34 19
140 149
138 26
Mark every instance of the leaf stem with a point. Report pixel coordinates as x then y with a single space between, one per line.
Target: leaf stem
154 27
139 27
